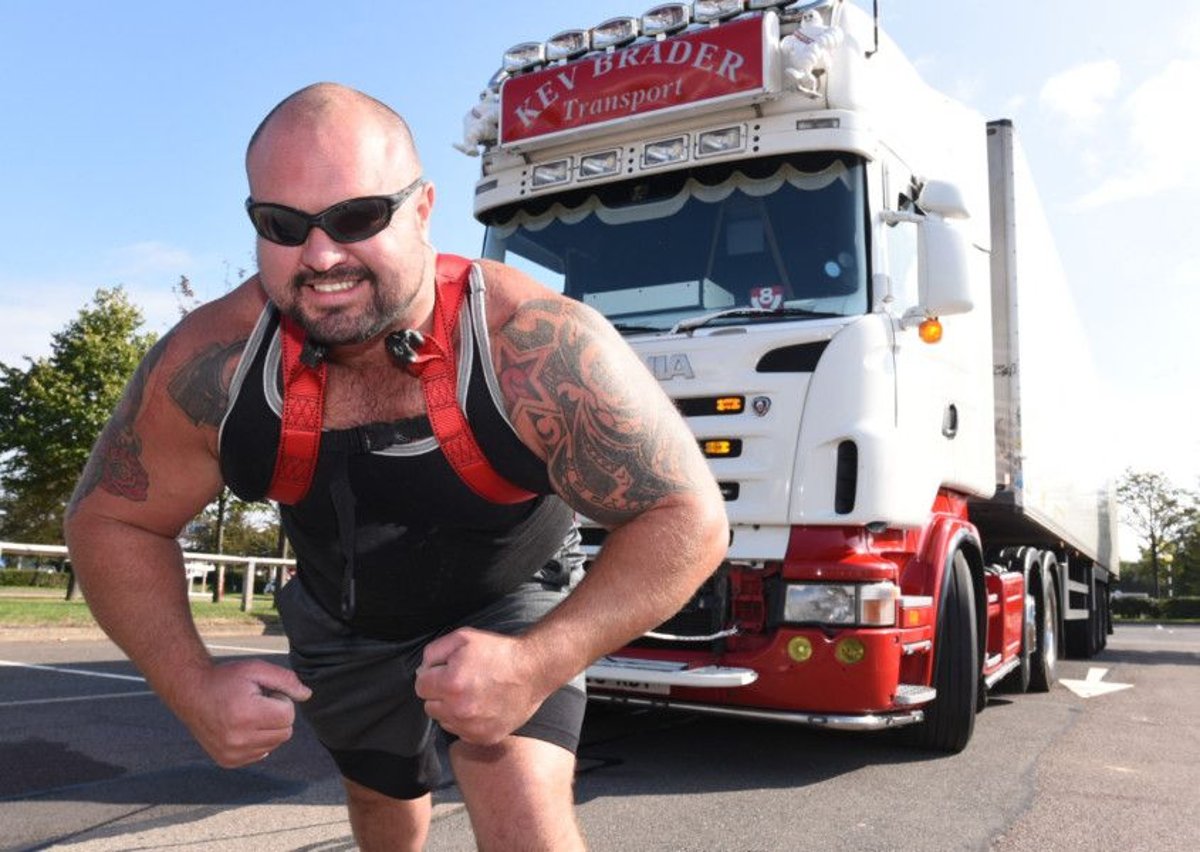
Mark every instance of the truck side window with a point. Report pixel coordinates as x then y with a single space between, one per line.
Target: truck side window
902 259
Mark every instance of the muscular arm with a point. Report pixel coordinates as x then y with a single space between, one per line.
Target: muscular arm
620 454
152 469
617 452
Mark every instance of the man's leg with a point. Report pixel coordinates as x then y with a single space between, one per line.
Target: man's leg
518 794
384 824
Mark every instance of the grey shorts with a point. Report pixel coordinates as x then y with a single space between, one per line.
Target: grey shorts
364 709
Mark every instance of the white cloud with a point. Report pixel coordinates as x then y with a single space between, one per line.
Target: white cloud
1080 94
35 309
149 258
1160 151
25 331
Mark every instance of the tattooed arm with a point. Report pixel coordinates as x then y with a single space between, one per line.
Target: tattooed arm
152 470
619 453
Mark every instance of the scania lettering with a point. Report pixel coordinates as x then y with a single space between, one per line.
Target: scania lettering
845 281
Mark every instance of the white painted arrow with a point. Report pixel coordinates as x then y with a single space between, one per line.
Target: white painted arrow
1094 685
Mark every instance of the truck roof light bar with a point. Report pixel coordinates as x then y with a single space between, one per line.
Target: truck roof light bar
665 151
551 174
797 12
600 164
615 32
568 44
523 56
723 141
714 11
662 21
818 124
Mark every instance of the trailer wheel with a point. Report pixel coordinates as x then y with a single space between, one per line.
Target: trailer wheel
1082 635
1025 560
950 719
1044 662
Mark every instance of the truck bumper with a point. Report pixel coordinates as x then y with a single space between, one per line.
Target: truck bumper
847 679
832 721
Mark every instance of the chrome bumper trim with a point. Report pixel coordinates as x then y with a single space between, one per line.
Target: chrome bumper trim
631 670
835 722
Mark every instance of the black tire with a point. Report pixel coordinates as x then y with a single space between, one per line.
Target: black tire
1024 560
1081 635
950 718
1102 625
1105 619
1044 660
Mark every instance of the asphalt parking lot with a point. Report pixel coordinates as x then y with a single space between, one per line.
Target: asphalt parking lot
1109 759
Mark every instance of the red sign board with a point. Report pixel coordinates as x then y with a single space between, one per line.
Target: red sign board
636 80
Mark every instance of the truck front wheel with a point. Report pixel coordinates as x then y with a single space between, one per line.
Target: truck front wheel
950 719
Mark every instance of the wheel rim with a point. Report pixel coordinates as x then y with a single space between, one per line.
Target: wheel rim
1050 641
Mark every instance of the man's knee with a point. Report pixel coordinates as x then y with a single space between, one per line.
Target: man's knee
518 793
380 821
537 761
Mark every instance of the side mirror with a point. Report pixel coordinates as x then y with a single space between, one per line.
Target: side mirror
943 274
943 198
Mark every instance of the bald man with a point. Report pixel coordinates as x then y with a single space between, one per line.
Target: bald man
421 608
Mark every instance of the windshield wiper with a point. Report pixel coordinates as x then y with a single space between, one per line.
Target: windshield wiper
748 313
625 327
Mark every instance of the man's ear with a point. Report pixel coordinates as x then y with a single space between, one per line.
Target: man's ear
425 198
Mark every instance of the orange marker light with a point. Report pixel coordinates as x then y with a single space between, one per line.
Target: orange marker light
930 330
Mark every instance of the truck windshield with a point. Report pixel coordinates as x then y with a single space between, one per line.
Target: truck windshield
784 236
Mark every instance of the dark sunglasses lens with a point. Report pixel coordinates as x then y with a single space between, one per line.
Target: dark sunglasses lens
358 219
279 225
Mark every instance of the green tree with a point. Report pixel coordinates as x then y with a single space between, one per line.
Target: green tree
1185 567
1160 512
52 411
231 525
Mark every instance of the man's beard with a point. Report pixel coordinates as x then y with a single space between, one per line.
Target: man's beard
340 327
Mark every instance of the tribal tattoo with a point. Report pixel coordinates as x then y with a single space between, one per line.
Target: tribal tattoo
199 387
115 463
608 452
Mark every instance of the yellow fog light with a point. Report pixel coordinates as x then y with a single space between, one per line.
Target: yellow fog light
850 651
799 649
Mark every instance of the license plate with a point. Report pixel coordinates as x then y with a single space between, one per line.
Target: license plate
630 686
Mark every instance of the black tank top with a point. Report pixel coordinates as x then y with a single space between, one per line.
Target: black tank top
388 538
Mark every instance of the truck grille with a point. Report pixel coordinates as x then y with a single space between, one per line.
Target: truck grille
707 613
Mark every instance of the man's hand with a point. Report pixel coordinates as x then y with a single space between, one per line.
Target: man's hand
241 712
478 685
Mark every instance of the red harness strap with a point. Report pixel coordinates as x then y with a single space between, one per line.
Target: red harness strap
434 365
432 362
300 425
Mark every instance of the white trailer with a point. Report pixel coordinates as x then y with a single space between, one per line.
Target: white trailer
845 282
1054 489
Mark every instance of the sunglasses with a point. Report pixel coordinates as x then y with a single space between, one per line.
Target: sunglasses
346 222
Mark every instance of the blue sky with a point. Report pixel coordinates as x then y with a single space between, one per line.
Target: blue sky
122 127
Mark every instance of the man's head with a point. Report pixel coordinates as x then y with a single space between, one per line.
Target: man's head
324 145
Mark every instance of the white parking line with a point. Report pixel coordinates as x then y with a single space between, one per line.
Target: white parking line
84 672
110 676
213 647
33 701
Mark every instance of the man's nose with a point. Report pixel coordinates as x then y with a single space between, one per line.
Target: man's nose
321 252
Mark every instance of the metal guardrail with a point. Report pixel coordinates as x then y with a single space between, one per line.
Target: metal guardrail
251 563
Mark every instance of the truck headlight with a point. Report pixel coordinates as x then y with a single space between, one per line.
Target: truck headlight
820 603
869 605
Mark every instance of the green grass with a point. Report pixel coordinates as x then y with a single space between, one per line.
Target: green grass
35 608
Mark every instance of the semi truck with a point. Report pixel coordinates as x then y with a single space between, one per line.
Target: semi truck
845 281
